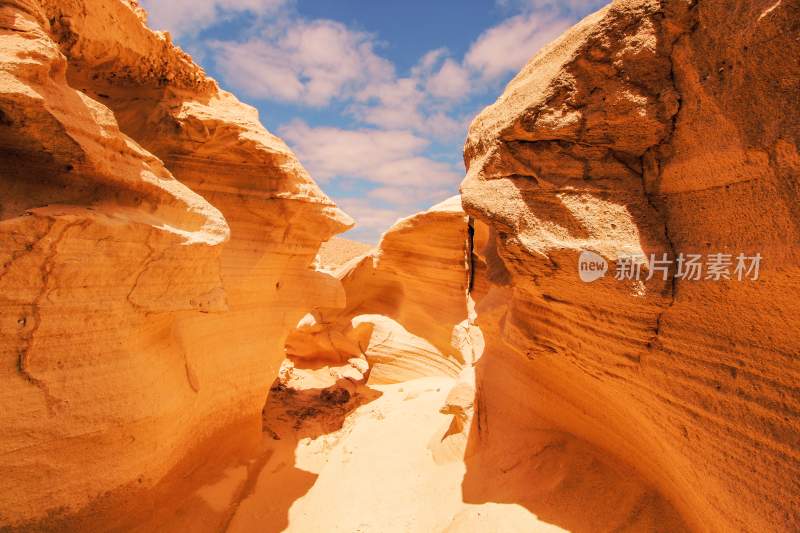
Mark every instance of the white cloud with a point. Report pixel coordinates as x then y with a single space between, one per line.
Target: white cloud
450 82
421 102
192 16
410 196
286 58
445 127
307 62
372 215
392 157
371 219
391 104
428 62
506 48
571 8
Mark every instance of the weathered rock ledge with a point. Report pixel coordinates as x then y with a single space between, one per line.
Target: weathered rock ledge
154 249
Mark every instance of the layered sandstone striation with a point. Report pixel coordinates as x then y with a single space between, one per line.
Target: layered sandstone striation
649 128
154 249
410 329
391 317
160 256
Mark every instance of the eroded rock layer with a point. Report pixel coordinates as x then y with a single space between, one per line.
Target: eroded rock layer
649 128
406 308
154 245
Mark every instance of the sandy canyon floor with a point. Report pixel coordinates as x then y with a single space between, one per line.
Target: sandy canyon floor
339 455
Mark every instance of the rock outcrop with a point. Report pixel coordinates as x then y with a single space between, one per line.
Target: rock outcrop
154 249
159 258
338 251
390 317
649 128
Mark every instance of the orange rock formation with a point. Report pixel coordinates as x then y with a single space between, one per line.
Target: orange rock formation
389 317
159 259
138 317
650 127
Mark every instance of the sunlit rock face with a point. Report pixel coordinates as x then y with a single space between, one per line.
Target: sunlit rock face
648 128
406 308
154 250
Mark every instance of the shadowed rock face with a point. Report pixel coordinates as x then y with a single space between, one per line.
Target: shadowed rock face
649 128
154 245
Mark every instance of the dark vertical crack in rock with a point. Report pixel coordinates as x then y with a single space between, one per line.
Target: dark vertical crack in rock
470 254
653 153
24 353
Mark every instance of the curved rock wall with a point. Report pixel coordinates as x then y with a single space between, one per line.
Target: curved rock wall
155 243
649 128
406 302
154 249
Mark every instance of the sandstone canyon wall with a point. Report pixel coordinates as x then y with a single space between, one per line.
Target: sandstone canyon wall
650 127
154 245
406 310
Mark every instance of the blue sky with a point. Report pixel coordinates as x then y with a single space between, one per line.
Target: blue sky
374 96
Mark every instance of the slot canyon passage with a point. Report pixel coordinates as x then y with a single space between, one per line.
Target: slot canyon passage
186 346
